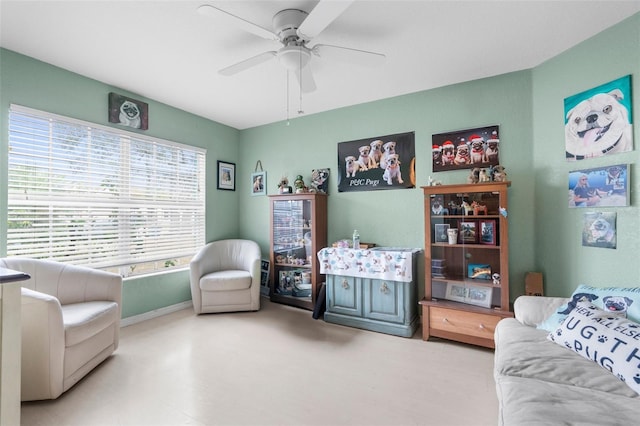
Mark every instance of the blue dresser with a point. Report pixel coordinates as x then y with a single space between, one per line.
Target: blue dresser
372 289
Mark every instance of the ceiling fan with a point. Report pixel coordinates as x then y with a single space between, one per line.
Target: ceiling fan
294 29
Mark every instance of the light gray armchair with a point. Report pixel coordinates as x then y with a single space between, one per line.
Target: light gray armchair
225 277
70 323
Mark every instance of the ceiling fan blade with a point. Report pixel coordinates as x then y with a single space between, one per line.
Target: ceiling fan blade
349 55
250 27
320 17
305 79
248 63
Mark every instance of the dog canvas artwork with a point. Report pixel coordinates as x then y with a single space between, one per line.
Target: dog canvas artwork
466 149
598 122
128 112
382 162
599 187
599 230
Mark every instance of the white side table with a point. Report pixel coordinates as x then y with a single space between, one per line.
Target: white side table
10 345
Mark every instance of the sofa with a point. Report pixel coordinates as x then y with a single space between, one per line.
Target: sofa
539 382
70 323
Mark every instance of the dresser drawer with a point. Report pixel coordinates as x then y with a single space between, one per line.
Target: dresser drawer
463 322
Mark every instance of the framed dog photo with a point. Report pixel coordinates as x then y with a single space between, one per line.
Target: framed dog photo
466 149
487 231
479 295
468 233
226 176
599 230
599 187
128 112
456 292
598 121
265 270
440 232
259 183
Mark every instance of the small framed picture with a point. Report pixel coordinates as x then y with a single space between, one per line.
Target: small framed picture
456 292
440 232
479 271
226 176
468 231
479 295
259 183
265 267
488 231
128 112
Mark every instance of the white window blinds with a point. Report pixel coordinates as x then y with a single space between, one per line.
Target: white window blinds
93 195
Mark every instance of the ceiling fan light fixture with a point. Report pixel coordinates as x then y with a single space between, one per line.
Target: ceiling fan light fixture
294 57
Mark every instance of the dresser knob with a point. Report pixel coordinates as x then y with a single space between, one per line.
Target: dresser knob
345 284
384 289
481 326
444 320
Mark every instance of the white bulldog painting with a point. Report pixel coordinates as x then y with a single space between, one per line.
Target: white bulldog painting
598 122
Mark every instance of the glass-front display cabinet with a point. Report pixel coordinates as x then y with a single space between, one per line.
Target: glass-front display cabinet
466 261
298 232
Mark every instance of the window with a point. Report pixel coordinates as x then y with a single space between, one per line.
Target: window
97 196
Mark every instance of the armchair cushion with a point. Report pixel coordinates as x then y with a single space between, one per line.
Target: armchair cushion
85 320
226 280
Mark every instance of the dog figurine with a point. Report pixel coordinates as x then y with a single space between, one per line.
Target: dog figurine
597 126
352 165
389 149
319 181
392 170
483 176
376 153
617 304
499 174
474 175
130 114
365 161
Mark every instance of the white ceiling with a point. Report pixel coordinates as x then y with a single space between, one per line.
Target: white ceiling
166 51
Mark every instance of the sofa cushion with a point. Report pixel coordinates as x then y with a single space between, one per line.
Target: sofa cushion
531 402
525 352
611 341
226 280
85 320
612 299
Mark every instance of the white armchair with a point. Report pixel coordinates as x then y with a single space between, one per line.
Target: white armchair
70 323
225 277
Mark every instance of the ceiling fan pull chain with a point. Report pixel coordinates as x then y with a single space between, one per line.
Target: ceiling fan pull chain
287 97
300 111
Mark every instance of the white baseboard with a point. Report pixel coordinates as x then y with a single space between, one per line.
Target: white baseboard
155 313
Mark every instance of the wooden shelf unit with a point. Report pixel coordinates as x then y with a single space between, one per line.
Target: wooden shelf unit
454 319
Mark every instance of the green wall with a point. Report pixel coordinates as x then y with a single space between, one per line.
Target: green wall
559 253
527 105
395 217
32 83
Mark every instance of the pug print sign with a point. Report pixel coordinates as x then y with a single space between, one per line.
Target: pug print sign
598 121
381 162
128 112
